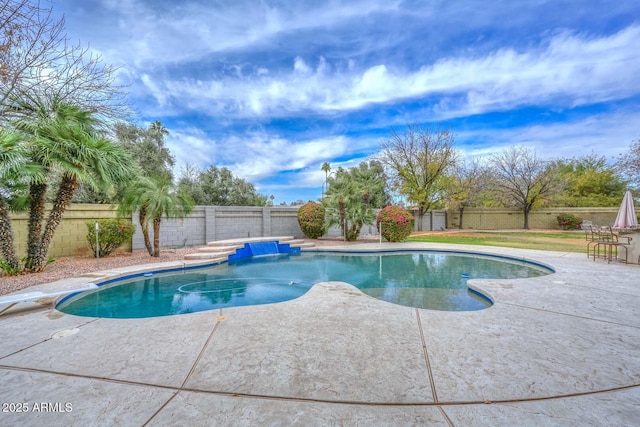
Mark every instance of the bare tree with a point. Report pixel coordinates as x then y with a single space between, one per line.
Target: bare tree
523 178
629 163
38 62
467 185
418 161
31 40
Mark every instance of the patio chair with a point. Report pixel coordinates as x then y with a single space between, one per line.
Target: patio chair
610 242
591 235
598 239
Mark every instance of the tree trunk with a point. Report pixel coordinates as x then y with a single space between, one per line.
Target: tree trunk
461 210
342 212
420 217
352 233
156 235
37 194
6 237
526 217
67 189
144 225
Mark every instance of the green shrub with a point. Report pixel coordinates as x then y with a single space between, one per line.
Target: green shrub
7 270
111 234
397 223
311 220
568 221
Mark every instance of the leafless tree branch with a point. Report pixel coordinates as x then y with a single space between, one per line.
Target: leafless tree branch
38 62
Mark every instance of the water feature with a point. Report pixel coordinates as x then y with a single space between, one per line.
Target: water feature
263 248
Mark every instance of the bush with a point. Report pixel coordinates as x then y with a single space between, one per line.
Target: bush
568 221
397 223
111 234
311 220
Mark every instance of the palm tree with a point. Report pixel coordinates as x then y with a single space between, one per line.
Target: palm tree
153 198
31 114
92 160
350 200
326 168
15 172
157 130
63 138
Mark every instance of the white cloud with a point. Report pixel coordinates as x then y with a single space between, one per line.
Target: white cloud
158 33
157 92
608 135
259 155
300 66
569 70
254 156
279 81
193 146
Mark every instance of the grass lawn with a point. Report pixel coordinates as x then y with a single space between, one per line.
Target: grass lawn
563 241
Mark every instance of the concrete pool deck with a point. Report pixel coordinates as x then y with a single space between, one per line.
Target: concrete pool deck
561 349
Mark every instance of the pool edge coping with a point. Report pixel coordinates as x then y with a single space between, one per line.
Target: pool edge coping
144 269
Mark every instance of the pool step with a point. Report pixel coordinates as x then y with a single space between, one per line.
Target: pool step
241 242
220 249
300 244
213 256
223 248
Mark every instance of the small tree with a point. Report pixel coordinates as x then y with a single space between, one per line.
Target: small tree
466 186
395 223
629 164
154 198
349 199
523 178
420 160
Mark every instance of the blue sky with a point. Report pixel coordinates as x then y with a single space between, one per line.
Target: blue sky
272 89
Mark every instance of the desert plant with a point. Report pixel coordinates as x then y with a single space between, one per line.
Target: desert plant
8 269
153 198
350 198
568 221
111 234
311 220
397 223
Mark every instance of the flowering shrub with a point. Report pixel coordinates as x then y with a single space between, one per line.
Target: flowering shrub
311 220
568 221
397 223
111 234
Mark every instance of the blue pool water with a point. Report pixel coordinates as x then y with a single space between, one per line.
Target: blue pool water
419 279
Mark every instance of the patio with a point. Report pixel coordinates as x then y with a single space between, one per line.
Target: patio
561 349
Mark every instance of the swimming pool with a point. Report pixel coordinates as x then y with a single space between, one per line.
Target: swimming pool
424 279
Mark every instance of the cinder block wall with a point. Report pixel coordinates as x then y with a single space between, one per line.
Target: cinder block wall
436 217
431 220
70 237
497 218
210 223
